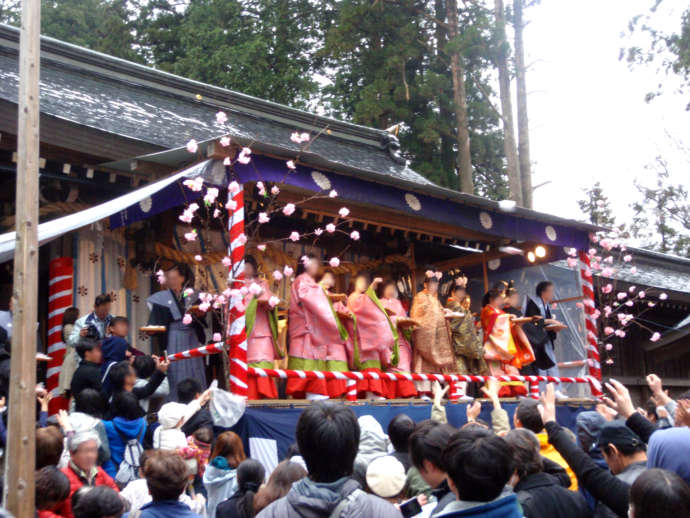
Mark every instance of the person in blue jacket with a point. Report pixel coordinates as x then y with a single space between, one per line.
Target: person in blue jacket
128 423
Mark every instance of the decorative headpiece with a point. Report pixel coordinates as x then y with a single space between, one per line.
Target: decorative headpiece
461 281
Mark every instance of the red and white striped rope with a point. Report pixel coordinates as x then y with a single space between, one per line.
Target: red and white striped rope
236 322
205 350
61 272
593 359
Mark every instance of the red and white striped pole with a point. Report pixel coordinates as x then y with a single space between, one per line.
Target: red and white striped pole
236 323
593 360
60 291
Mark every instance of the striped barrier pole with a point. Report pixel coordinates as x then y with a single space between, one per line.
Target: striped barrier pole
593 359
60 292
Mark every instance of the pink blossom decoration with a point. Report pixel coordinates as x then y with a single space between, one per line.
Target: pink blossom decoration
642 294
609 347
354 235
231 205
607 289
198 258
627 258
429 274
221 117
344 212
227 161
609 361
192 146
187 319
216 213
629 303
621 295
295 137
190 236
227 262
193 207
273 301
225 141
255 289
633 269
294 236
572 262
291 164
160 274
651 304
330 228
620 333
217 337
261 188
572 252
244 290
263 217
304 137
655 337
204 307
289 209
438 275
188 292
242 239
233 187
277 275
304 260
261 247
318 231
186 217
195 185
275 190
592 252
631 289
211 195
288 271
607 272
608 330
663 296
245 156
334 262
333 193
579 305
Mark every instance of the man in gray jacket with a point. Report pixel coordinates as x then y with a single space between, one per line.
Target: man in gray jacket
328 440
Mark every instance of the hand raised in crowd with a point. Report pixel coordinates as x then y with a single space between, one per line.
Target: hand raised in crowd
473 411
44 398
659 395
162 364
439 392
621 401
490 390
205 397
547 409
3 403
604 411
63 421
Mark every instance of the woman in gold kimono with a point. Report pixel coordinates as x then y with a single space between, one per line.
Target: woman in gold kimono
433 353
469 352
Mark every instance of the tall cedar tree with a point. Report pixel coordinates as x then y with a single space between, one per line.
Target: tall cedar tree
596 207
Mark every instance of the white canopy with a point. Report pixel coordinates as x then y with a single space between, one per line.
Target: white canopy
55 228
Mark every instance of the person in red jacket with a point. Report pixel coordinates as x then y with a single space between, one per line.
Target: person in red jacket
82 469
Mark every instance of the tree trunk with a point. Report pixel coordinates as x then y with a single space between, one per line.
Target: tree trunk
464 160
522 121
440 67
514 183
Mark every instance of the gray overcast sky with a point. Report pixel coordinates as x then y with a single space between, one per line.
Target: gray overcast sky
588 117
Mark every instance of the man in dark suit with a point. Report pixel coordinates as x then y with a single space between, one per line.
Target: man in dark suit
546 362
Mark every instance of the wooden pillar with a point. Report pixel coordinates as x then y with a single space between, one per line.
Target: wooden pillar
20 461
413 270
485 273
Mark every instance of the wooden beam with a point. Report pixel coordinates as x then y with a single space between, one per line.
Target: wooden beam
485 273
19 487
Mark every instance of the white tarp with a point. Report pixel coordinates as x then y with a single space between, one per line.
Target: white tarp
55 228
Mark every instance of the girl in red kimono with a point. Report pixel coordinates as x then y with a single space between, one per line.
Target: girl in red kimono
377 337
262 334
317 336
388 294
501 352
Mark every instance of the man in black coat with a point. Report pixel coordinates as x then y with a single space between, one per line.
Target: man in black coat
540 494
88 374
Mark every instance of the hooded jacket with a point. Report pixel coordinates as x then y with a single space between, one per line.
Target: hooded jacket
309 499
505 506
220 481
668 449
541 496
129 429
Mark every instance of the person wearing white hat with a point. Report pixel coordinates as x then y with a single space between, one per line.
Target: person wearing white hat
386 477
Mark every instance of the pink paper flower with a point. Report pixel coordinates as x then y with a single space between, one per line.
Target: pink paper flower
275 190
221 117
429 274
295 137
627 258
188 292
225 141
288 271
227 161
187 319
204 307
227 262
631 289
572 252
663 296
294 236
160 274
607 289
579 305
193 207
608 347
277 275
438 275
216 213
231 205
195 185
655 337
255 289
192 146
217 337
651 304
334 262
244 290
333 193
609 361
344 212
198 258
233 187
190 236
242 239
304 137
261 188
607 272
289 209
305 260
572 262
608 330
261 247
620 333
621 295
291 164
186 217
211 195
592 252
273 301
330 228
263 217
629 303
318 231
245 156
642 294
354 235
633 269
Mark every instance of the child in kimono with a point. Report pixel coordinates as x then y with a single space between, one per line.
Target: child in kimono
263 347
388 294
317 335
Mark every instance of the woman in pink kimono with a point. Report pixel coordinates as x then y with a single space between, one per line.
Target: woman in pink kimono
317 336
388 294
262 333
377 337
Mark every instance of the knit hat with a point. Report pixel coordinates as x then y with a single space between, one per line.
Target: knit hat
170 414
386 476
81 437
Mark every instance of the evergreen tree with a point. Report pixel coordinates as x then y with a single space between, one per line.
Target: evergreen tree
596 207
